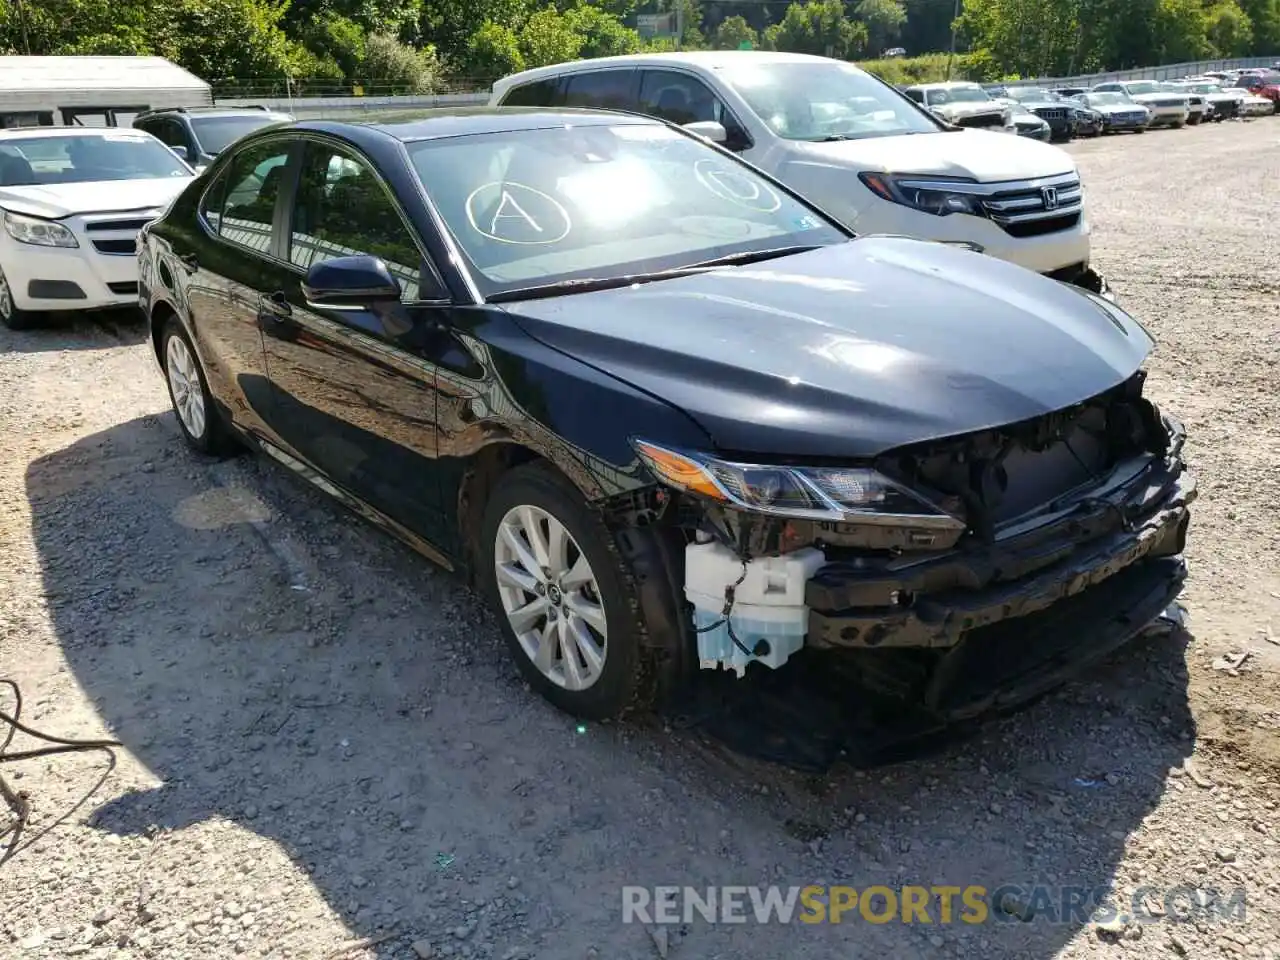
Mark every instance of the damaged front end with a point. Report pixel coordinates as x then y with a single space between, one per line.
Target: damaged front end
960 574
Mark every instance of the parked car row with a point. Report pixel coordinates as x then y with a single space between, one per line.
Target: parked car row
1113 107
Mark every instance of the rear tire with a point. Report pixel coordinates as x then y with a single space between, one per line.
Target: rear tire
198 416
10 315
554 577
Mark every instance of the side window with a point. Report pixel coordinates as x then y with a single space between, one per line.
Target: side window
681 98
170 133
540 93
916 95
341 210
605 89
249 202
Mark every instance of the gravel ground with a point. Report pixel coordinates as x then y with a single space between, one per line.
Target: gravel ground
326 753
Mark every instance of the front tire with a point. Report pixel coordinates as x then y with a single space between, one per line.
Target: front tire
10 315
567 607
198 417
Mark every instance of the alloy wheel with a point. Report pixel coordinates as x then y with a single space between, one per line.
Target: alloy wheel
6 298
551 598
184 382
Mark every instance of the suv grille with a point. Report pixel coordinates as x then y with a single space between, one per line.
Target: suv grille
1168 102
1051 113
982 120
1031 208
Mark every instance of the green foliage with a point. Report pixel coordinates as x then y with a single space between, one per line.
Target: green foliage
884 20
1228 29
819 27
733 32
494 52
547 37
389 62
329 45
603 34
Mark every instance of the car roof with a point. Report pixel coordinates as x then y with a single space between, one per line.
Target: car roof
210 112
706 59
441 122
30 133
950 85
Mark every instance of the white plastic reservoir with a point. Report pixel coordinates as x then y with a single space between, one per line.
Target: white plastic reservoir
768 605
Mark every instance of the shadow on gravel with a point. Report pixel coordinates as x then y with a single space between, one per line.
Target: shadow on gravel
86 330
368 724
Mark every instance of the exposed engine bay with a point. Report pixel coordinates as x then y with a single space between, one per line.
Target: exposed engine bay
1032 520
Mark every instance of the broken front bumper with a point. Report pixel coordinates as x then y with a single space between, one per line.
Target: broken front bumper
999 623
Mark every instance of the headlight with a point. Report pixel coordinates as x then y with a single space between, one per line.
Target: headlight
939 197
40 233
816 493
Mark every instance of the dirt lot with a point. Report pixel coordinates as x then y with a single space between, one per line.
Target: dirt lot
324 741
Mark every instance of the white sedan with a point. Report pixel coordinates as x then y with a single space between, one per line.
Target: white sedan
1251 105
72 201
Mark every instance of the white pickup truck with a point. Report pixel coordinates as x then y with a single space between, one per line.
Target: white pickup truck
851 144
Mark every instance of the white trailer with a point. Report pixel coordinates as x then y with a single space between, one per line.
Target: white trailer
93 91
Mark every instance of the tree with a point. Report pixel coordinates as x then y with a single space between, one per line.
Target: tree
1264 15
733 32
231 39
547 38
818 27
884 20
450 24
388 61
1228 29
603 34
494 52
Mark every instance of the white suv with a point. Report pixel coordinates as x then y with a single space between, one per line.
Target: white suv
850 143
72 200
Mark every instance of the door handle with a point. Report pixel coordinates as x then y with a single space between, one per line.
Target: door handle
276 305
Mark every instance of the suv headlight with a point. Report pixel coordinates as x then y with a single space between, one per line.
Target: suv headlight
37 232
931 195
853 494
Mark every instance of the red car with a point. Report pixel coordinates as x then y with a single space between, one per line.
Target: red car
1264 85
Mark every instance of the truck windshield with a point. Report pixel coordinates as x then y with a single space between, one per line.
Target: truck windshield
81 158
825 100
217 133
1143 86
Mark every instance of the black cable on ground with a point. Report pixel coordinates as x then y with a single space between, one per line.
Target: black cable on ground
18 801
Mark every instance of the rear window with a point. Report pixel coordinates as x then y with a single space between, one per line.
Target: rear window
540 93
604 89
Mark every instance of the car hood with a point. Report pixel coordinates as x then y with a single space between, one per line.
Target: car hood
850 350
55 201
966 154
969 108
1109 108
1149 97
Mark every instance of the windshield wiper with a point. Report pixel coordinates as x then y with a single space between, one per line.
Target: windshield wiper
589 284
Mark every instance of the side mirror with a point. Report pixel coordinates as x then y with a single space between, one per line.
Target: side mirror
350 283
182 152
708 130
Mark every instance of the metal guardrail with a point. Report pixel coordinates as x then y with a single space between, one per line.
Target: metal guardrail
306 108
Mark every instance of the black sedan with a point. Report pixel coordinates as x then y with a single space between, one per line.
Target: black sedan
665 413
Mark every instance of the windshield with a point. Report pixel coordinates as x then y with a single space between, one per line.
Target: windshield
1203 87
1143 86
937 96
217 133
1104 99
533 207
813 101
1029 94
46 161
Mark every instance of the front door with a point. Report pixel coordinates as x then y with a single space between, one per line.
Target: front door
353 390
